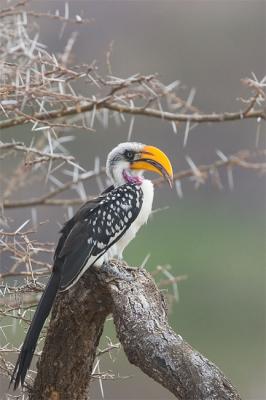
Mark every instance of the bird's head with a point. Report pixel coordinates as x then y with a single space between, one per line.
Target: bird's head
127 162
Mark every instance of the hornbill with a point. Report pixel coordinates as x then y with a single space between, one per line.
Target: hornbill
99 231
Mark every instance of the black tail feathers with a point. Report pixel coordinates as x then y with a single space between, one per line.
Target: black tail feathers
29 345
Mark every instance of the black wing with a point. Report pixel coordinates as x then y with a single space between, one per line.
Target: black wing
96 226
75 233
80 214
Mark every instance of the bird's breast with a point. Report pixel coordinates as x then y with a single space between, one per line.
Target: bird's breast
148 191
143 215
145 210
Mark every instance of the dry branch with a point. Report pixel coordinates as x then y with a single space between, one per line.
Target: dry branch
71 343
42 156
46 90
148 112
241 159
140 318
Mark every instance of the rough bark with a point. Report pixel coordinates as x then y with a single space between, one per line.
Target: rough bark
75 328
140 318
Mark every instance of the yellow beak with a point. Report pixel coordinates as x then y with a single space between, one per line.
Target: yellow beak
153 159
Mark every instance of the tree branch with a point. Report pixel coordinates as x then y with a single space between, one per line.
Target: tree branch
148 112
77 320
140 318
241 159
43 156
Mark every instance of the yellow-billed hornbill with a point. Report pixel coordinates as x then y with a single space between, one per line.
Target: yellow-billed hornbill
99 231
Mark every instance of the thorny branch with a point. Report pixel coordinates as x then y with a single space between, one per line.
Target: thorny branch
106 103
19 7
42 88
17 146
199 174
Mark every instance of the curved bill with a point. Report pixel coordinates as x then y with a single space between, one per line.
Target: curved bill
155 160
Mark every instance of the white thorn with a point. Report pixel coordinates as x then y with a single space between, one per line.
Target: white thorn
193 166
221 155
230 177
174 127
132 120
144 262
191 97
186 133
178 187
22 226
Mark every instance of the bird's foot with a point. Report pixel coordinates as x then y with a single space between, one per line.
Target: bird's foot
119 261
122 263
112 269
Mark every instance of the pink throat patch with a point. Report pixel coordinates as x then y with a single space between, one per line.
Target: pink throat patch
137 180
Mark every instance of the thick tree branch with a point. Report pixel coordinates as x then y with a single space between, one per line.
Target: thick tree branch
69 352
140 318
149 342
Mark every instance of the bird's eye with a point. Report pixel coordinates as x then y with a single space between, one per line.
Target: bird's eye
129 155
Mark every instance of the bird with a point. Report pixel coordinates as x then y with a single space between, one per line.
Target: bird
99 231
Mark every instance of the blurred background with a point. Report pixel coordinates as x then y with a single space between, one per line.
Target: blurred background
215 237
